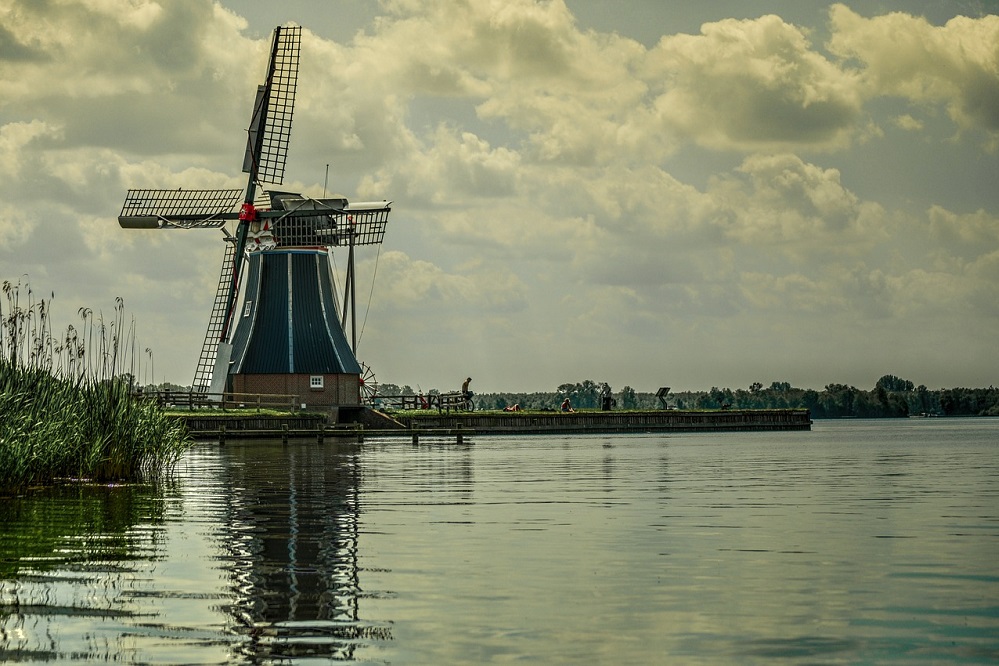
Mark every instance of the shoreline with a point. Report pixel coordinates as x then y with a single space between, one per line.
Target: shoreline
377 424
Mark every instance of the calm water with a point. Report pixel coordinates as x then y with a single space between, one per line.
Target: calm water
858 542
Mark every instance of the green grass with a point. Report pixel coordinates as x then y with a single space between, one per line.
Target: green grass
67 407
433 413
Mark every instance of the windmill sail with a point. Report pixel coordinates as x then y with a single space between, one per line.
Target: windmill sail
209 349
327 222
267 145
270 126
177 209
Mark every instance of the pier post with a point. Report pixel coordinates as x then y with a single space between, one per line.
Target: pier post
222 435
284 433
416 438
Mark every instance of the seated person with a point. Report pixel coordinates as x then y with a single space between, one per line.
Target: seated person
566 407
512 408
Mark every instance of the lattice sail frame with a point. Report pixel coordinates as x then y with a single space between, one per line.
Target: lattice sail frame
368 225
181 209
326 222
275 102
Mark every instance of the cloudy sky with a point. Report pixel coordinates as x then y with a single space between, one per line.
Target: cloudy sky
647 193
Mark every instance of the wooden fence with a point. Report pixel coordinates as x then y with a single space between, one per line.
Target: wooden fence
193 400
442 402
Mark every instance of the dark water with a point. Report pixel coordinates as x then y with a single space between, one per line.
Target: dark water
858 542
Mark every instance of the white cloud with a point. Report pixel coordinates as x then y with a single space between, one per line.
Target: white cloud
454 167
967 237
15 142
752 84
901 54
795 202
568 203
907 122
16 227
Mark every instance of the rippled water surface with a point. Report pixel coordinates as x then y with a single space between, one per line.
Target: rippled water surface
860 541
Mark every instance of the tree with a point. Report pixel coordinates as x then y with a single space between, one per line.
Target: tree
629 400
584 395
716 398
589 394
922 399
893 383
838 400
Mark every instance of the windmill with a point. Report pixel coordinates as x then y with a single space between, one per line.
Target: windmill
276 326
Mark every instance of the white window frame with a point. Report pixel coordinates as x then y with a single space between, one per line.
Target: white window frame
316 382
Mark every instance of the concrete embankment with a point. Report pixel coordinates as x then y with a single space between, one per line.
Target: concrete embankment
217 426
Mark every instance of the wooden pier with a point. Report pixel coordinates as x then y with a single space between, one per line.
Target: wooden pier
461 425
671 420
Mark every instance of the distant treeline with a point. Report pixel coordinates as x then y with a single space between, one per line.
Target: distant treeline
890 397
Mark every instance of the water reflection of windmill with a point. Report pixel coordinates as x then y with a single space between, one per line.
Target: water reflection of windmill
279 330
290 538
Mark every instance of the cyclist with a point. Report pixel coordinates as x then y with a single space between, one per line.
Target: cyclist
466 394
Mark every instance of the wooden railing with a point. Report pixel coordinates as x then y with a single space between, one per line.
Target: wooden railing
193 400
408 402
442 402
457 401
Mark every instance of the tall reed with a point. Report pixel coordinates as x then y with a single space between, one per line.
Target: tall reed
67 409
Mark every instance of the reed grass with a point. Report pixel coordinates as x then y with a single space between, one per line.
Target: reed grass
67 409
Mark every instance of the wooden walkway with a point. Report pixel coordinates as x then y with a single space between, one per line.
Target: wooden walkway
617 422
321 435
461 425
